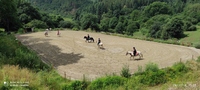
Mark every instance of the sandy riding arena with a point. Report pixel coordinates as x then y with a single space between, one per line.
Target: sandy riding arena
73 57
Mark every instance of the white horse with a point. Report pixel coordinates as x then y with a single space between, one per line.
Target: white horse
137 54
100 45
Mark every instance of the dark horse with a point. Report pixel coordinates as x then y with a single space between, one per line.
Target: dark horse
91 39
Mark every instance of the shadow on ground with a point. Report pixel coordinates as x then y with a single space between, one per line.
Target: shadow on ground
50 54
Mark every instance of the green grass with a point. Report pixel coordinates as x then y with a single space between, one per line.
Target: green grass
192 36
1 29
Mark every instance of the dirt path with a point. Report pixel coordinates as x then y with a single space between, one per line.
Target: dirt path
70 54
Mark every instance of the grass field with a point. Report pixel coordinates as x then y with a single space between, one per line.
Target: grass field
192 36
1 29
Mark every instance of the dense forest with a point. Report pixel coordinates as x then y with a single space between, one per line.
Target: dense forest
162 19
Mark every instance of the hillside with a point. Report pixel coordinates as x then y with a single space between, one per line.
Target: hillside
63 7
161 19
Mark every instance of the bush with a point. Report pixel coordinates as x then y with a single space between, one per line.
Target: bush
198 60
171 73
14 53
66 24
154 78
152 75
21 30
144 31
173 29
125 72
180 67
25 58
36 24
75 85
112 81
192 28
151 67
197 45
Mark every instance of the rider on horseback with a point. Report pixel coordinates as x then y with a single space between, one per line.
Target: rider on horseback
134 51
88 36
99 41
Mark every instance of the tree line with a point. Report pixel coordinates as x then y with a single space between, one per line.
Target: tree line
163 19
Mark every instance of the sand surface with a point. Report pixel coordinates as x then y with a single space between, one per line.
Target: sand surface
74 58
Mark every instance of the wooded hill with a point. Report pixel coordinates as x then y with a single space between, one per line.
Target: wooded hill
63 7
163 19
155 18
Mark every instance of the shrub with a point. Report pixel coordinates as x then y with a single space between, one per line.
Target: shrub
192 28
75 85
36 24
180 67
66 24
154 78
144 31
125 72
151 67
14 53
112 81
152 75
171 73
197 45
75 29
21 30
198 60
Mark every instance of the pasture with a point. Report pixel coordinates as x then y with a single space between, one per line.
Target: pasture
74 58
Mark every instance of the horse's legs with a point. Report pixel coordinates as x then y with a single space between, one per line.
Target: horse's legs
132 56
141 55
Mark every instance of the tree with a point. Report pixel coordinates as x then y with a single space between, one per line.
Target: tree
27 13
104 24
173 29
157 8
193 11
155 30
37 24
132 27
135 15
162 19
89 21
119 28
8 15
113 22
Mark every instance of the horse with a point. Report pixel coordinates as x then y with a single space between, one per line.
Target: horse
139 53
88 39
46 33
100 45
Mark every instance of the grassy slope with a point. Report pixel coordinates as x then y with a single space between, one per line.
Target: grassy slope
192 36
188 81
